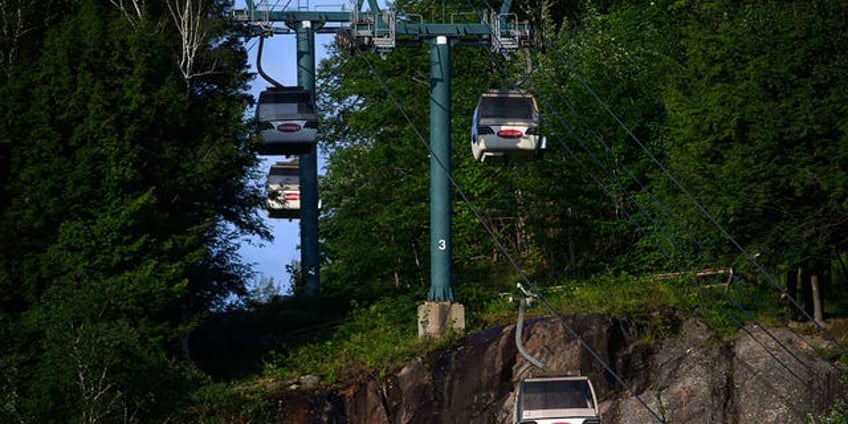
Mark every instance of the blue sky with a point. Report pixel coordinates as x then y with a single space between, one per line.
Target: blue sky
278 61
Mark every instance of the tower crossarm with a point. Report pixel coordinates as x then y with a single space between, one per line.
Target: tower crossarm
381 29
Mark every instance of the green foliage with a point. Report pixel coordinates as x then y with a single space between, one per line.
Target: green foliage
123 192
372 339
375 238
737 103
221 403
725 308
740 104
753 124
633 296
121 177
726 313
838 414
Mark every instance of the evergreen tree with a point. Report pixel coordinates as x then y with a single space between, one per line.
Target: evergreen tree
124 177
757 127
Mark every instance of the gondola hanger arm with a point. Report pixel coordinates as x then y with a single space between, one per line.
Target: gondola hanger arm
262 73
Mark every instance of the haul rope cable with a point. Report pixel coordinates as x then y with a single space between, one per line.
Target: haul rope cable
739 325
751 259
671 239
700 289
506 253
736 304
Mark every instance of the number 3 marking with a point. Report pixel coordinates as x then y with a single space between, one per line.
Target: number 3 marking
443 244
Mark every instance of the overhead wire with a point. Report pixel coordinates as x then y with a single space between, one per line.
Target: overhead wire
645 212
503 249
671 239
698 287
252 46
585 125
726 234
728 297
701 290
574 135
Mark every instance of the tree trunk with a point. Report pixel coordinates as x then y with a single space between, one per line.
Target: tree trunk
806 291
815 290
792 292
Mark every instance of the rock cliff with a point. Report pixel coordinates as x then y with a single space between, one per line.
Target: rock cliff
670 371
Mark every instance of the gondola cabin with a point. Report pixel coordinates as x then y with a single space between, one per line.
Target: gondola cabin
288 123
506 123
556 400
283 191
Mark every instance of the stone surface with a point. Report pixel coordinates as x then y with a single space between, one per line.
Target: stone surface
761 376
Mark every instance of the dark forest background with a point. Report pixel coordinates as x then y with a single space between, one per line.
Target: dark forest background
129 172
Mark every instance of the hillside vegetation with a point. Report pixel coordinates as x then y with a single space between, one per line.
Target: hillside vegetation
683 136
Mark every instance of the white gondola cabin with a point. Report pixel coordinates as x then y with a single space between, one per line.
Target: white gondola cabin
506 123
288 123
556 399
283 191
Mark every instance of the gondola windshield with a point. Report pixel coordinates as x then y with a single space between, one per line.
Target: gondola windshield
556 394
283 173
276 104
507 108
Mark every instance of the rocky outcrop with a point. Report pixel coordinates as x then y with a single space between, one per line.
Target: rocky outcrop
641 376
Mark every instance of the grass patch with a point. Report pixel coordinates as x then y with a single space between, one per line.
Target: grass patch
372 341
380 337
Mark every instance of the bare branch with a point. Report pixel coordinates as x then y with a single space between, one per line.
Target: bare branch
133 13
188 18
98 395
12 22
